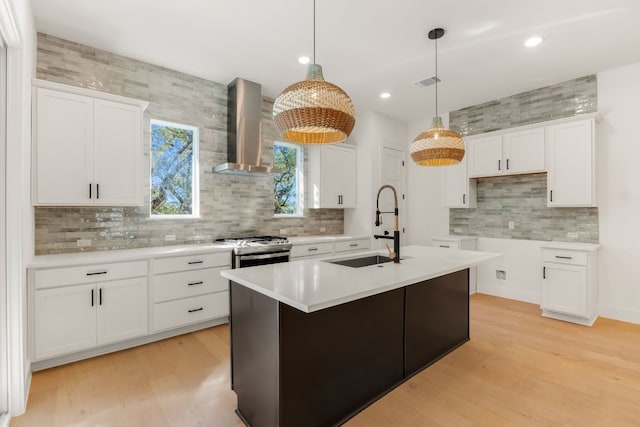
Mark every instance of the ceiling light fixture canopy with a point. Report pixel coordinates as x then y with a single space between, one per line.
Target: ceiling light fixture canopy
314 111
437 146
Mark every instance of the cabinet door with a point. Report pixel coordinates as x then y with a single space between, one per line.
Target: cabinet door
65 320
63 140
485 156
118 153
338 177
564 289
524 151
122 310
571 166
457 190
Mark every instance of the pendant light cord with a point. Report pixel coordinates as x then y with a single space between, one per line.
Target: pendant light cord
436 39
314 32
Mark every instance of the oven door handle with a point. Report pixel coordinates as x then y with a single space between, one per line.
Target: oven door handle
264 256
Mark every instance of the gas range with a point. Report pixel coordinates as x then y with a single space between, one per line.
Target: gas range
258 244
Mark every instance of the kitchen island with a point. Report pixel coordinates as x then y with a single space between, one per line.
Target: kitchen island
313 343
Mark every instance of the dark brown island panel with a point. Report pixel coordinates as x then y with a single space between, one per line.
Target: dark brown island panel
291 368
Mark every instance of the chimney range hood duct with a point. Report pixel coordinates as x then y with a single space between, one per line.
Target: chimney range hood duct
244 130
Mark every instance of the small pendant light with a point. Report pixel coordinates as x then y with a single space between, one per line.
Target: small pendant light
314 111
437 146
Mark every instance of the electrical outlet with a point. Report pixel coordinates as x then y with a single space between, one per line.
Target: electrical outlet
457 230
512 225
83 243
170 238
572 235
501 274
283 231
323 229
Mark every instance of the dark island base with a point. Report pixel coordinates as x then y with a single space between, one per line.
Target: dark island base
291 368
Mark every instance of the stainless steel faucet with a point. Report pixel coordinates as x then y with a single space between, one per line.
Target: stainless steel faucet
395 255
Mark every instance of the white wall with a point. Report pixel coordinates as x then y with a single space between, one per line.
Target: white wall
372 132
18 30
426 217
618 139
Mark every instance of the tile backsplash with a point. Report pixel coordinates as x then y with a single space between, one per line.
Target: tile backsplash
522 198
229 205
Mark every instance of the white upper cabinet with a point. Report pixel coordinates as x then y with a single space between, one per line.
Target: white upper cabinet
507 154
458 191
332 177
87 147
571 164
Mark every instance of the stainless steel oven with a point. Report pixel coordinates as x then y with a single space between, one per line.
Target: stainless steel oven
252 251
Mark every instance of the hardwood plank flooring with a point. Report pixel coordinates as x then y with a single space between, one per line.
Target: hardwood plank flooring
519 369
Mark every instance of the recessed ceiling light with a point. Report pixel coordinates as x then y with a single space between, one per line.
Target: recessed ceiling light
533 41
385 95
304 60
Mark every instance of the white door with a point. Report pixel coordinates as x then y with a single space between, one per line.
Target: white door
65 320
524 151
4 380
63 148
564 289
455 185
117 139
485 156
122 310
391 173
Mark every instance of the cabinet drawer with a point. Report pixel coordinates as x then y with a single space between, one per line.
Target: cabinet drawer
311 249
446 244
563 256
188 284
352 245
191 262
53 277
173 314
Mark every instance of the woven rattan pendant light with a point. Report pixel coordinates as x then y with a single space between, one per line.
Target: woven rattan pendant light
437 146
314 111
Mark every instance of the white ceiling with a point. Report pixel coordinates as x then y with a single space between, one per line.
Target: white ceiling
364 46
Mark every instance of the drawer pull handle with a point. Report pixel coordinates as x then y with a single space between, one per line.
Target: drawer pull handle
544 272
97 273
195 283
444 246
100 296
92 297
196 309
195 262
312 249
354 245
563 257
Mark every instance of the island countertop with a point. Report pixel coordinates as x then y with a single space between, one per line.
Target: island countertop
312 285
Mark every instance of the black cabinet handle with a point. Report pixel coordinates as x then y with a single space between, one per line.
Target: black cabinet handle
195 262
551 195
100 296
499 164
196 309
97 191
444 246
563 257
92 298
97 273
312 249
89 190
507 164
544 272
464 199
195 283
353 245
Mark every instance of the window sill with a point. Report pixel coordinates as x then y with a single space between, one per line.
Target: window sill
288 215
172 217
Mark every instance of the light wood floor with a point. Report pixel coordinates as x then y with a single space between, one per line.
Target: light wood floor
519 369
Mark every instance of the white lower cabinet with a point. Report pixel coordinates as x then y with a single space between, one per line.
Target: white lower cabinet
79 317
569 285
460 242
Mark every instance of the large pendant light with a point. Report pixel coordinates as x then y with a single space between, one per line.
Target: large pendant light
437 146
314 111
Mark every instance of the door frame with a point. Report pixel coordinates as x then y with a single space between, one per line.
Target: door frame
402 203
4 354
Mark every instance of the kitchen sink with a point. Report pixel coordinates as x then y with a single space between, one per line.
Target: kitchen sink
363 261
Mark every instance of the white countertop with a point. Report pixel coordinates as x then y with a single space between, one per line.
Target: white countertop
586 247
312 285
454 238
300 240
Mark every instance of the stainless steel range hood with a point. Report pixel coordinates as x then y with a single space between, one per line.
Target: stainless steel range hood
244 130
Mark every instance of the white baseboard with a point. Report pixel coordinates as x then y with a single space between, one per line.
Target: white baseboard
509 293
4 420
620 313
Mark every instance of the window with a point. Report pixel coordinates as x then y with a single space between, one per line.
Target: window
288 196
174 170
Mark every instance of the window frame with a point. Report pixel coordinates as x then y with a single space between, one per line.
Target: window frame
299 180
195 170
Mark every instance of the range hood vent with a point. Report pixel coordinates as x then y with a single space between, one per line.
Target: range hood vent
244 130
